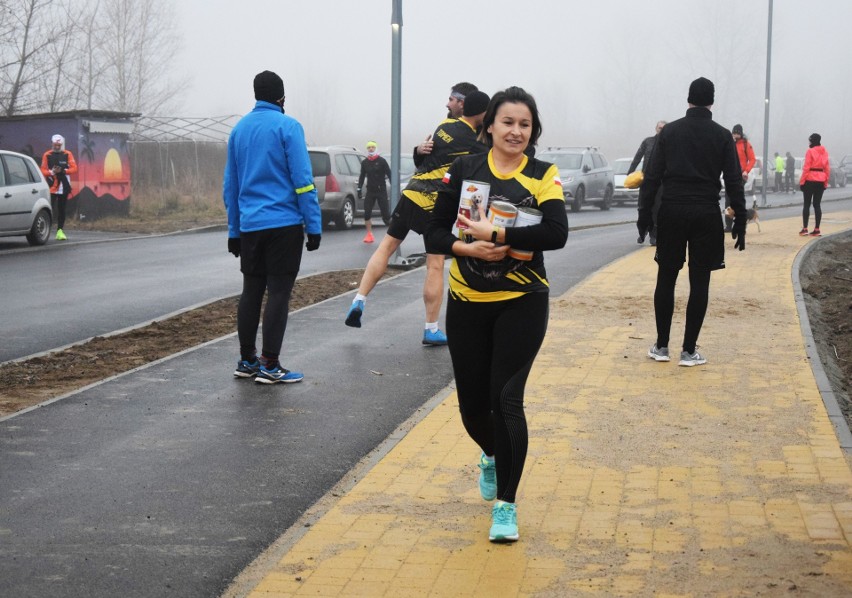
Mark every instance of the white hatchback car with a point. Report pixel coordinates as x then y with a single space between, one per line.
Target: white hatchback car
622 194
24 199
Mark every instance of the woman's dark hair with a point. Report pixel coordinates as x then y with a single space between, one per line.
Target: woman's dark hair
514 95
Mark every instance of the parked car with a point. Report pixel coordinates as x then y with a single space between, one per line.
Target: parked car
406 169
587 177
621 194
753 184
24 199
336 169
837 176
846 165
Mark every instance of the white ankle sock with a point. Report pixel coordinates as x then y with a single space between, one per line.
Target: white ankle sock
432 326
360 297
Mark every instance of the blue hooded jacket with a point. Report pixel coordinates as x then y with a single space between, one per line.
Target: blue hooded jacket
268 178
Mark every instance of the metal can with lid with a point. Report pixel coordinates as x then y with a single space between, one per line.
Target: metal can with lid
526 217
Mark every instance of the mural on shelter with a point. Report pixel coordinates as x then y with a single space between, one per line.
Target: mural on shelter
103 175
101 187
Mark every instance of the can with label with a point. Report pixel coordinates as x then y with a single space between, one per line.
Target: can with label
473 194
502 213
526 217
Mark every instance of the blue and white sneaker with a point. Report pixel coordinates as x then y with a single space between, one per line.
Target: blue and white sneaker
276 374
504 522
435 339
353 318
487 478
247 369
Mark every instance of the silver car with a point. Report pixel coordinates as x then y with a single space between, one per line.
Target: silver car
586 175
24 199
336 169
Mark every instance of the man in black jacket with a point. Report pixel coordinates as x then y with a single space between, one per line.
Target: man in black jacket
689 155
643 155
375 169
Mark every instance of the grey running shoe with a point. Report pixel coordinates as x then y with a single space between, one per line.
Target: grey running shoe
690 360
658 354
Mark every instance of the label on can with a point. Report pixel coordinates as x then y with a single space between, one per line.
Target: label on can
526 217
473 194
502 213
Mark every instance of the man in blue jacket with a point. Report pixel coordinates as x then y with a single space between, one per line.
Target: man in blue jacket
271 203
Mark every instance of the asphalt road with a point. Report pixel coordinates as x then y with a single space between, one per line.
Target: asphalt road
97 283
169 480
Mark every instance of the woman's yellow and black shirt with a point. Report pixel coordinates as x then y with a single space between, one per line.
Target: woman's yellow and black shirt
534 184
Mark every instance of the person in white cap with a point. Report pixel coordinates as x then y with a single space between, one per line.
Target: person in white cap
56 164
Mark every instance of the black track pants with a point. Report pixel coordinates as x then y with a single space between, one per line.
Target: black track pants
493 346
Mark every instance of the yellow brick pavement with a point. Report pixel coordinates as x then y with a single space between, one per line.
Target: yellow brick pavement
643 478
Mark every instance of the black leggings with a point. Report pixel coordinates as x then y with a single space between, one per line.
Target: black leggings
813 192
274 315
60 199
493 346
696 307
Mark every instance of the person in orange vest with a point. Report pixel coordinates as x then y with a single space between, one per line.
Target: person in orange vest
746 155
816 172
56 164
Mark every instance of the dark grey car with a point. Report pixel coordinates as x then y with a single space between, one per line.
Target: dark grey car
24 199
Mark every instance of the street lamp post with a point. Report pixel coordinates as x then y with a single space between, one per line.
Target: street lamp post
396 86
766 109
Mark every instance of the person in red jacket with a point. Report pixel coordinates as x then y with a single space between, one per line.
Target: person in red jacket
56 164
815 174
746 155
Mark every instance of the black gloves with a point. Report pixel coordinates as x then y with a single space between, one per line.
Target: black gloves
234 246
313 242
738 235
645 223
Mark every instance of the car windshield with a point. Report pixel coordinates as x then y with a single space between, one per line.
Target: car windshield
564 161
320 163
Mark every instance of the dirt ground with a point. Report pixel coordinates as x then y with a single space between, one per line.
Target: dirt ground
826 280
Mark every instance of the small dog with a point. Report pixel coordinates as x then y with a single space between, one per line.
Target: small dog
751 214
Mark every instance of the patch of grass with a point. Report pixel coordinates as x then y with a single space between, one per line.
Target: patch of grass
159 212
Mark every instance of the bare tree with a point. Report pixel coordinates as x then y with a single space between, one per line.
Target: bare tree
139 43
29 29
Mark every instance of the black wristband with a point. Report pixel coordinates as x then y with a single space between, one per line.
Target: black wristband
494 234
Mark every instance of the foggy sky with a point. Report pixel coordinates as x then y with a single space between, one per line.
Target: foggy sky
603 73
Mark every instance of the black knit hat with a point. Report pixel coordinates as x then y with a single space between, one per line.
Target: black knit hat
737 130
268 87
815 139
701 92
476 102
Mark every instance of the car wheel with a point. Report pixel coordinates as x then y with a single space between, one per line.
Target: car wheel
346 216
579 197
40 230
607 198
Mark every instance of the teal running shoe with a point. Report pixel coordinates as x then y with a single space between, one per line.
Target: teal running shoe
504 522
435 339
487 478
353 318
